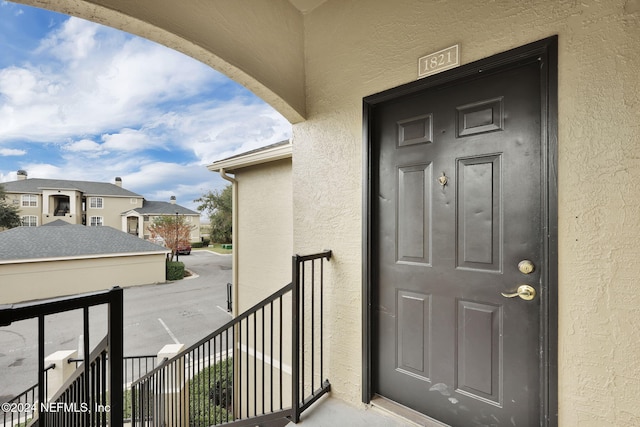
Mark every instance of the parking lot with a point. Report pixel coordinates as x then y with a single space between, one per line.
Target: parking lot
154 315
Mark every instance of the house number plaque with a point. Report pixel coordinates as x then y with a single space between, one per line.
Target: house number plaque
439 61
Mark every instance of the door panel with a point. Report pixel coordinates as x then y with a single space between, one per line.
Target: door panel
478 208
413 222
456 179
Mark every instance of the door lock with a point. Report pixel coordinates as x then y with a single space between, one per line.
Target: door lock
526 267
525 292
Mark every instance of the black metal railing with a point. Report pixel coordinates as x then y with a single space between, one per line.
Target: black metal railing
309 383
135 367
21 408
229 297
24 406
98 377
82 399
265 364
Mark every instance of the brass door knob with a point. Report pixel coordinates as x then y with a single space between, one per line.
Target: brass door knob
525 292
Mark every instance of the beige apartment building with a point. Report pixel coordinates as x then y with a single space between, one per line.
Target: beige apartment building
43 201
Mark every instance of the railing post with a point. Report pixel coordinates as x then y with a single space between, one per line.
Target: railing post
295 340
116 357
62 370
42 392
174 394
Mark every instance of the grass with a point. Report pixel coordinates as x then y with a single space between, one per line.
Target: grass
217 248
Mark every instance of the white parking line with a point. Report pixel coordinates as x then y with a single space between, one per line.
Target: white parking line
166 328
204 251
225 310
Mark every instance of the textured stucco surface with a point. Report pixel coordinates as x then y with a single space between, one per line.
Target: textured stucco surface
264 245
49 279
355 48
264 230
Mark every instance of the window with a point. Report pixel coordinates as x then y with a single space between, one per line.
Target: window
96 203
133 201
96 221
29 221
29 200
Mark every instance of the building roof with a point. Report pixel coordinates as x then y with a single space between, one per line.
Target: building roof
89 188
150 207
278 151
60 240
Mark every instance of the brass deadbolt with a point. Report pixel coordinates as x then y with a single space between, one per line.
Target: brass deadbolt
526 267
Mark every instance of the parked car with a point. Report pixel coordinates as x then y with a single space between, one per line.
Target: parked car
184 249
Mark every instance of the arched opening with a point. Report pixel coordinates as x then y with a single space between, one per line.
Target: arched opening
260 47
92 144
69 204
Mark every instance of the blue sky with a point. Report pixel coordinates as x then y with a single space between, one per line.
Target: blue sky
82 101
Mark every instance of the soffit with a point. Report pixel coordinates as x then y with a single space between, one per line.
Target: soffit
306 6
278 151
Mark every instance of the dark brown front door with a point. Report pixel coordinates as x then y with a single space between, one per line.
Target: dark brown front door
457 204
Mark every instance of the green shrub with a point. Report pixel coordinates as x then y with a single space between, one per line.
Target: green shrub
211 394
205 242
196 245
175 270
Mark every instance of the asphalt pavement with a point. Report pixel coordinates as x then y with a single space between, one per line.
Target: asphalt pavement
183 312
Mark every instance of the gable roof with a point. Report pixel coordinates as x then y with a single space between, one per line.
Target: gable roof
89 188
150 207
70 241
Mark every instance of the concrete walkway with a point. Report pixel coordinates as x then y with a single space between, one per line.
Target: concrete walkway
331 412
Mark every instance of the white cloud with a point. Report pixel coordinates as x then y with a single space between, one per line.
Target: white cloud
12 152
217 131
91 79
73 41
128 140
84 148
104 99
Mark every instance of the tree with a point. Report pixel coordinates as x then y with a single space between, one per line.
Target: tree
9 214
173 230
218 205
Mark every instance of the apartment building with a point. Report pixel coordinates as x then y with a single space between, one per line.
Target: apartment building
89 203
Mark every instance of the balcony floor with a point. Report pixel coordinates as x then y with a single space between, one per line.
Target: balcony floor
329 412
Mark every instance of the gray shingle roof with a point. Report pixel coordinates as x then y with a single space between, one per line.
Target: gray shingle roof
35 185
69 241
150 207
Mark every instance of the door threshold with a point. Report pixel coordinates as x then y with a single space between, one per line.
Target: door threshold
402 411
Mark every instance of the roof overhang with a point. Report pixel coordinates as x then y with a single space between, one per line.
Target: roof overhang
306 6
252 158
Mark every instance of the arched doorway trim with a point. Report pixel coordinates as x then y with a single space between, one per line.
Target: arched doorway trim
259 44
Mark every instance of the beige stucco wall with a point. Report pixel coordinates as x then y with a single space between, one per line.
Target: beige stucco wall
354 49
112 209
358 47
16 200
111 212
38 280
264 239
